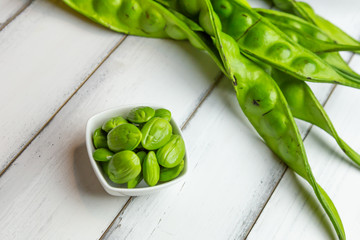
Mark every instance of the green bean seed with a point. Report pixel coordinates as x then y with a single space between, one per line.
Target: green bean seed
99 138
141 114
102 154
113 122
168 174
134 182
156 133
151 169
124 137
124 166
163 113
172 152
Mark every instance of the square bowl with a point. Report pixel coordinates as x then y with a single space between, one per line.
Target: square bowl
115 189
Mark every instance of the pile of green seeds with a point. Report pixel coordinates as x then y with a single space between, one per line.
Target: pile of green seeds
142 146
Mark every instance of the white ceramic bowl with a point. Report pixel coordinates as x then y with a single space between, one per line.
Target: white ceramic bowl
121 189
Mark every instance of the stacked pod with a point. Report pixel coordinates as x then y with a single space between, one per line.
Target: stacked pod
142 146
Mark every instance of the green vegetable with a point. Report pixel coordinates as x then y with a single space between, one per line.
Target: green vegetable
124 17
314 39
168 174
172 153
102 154
124 166
304 33
99 138
134 182
156 133
151 169
305 11
260 39
304 105
277 127
113 122
163 113
124 137
141 114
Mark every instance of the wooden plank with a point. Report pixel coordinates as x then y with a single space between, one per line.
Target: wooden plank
44 59
9 9
51 191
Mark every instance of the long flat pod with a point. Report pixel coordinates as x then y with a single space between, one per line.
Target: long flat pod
259 38
305 11
305 106
145 18
303 32
266 108
313 38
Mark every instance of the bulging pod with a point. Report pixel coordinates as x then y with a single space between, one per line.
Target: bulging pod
152 21
190 7
151 169
106 8
260 99
124 166
171 154
284 5
223 8
124 137
280 52
175 32
237 23
274 123
168 174
156 133
130 12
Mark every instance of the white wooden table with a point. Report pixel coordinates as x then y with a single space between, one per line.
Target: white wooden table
57 69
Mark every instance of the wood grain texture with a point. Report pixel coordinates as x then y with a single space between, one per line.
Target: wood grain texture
51 191
44 59
302 216
9 9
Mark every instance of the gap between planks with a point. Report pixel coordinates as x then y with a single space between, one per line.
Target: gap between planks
286 167
17 13
65 102
183 127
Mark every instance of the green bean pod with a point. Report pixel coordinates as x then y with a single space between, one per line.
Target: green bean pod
257 37
304 33
306 12
313 38
266 108
305 106
144 18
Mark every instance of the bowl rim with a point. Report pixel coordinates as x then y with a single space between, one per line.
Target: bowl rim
98 172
